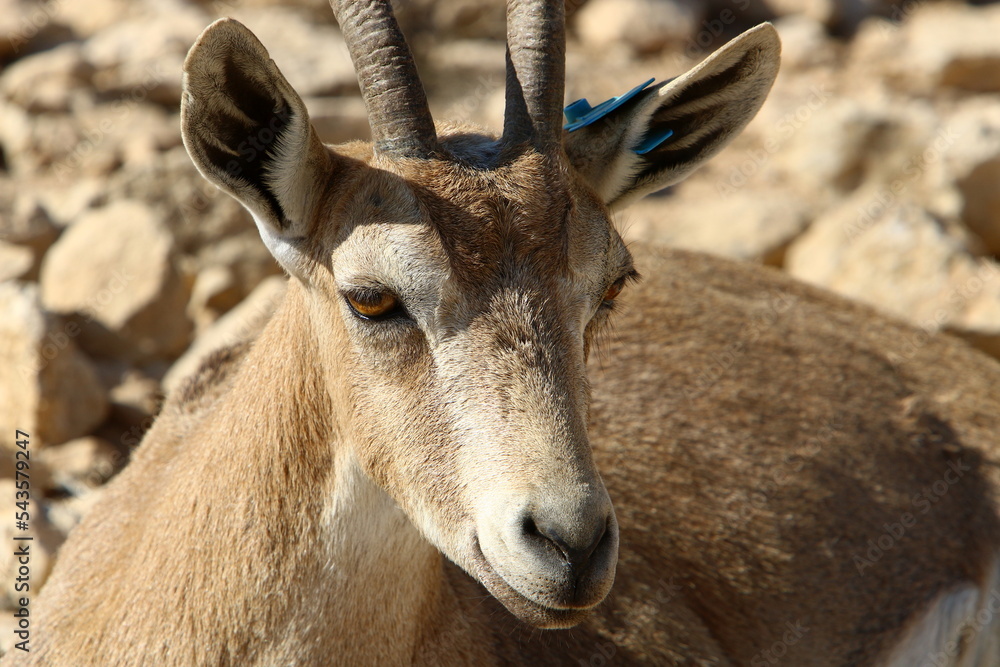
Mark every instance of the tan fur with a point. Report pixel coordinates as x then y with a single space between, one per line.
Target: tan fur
350 492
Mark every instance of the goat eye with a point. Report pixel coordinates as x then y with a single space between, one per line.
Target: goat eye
614 290
372 304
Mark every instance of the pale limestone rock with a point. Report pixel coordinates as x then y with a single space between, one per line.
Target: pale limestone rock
215 291
901 260
67 201
240 324
27 224
141 58
313 57
135 399
836 143
244 255
823 12
82 464
47 387
48 81
804 42
952 45
339 119
27 26
643 26
981 202
86 19
115 268
743 225
16 261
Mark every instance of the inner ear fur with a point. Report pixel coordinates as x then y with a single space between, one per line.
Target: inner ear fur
248 131
705 108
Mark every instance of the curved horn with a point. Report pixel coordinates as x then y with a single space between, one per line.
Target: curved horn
536 72
397 106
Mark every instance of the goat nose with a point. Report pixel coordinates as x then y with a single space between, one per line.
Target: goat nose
575 546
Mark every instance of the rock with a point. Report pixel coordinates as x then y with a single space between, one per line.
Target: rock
27 27
842 16
643 26
244 255
904 262
981 203
114 267
25 234
48 81
16 261
108 135
241 324
80 465
66 202
804 43
28 224
65 513
138 59
744 225
197 213
314 58
970 167
47 387
16 139
468 19
822 12
135 399
835 143
215 292
952 45
86 19
68 147
339 119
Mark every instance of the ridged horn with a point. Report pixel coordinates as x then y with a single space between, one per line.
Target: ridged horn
536 72
397 106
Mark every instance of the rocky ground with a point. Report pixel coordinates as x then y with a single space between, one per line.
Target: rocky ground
872 170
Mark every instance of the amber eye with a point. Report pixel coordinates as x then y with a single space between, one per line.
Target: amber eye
372 304
614 290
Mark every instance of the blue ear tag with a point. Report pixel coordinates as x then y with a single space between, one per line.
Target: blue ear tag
652 141
581 114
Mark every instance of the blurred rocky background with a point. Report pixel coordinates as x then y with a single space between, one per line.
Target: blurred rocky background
872 170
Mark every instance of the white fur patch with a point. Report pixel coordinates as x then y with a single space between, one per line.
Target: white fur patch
960 628
280 247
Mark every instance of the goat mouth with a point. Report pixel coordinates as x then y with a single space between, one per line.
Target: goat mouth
524 608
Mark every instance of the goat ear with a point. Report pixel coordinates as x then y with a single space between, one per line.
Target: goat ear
662 134
248 132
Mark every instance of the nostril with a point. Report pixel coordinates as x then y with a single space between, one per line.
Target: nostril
575 549
529 528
